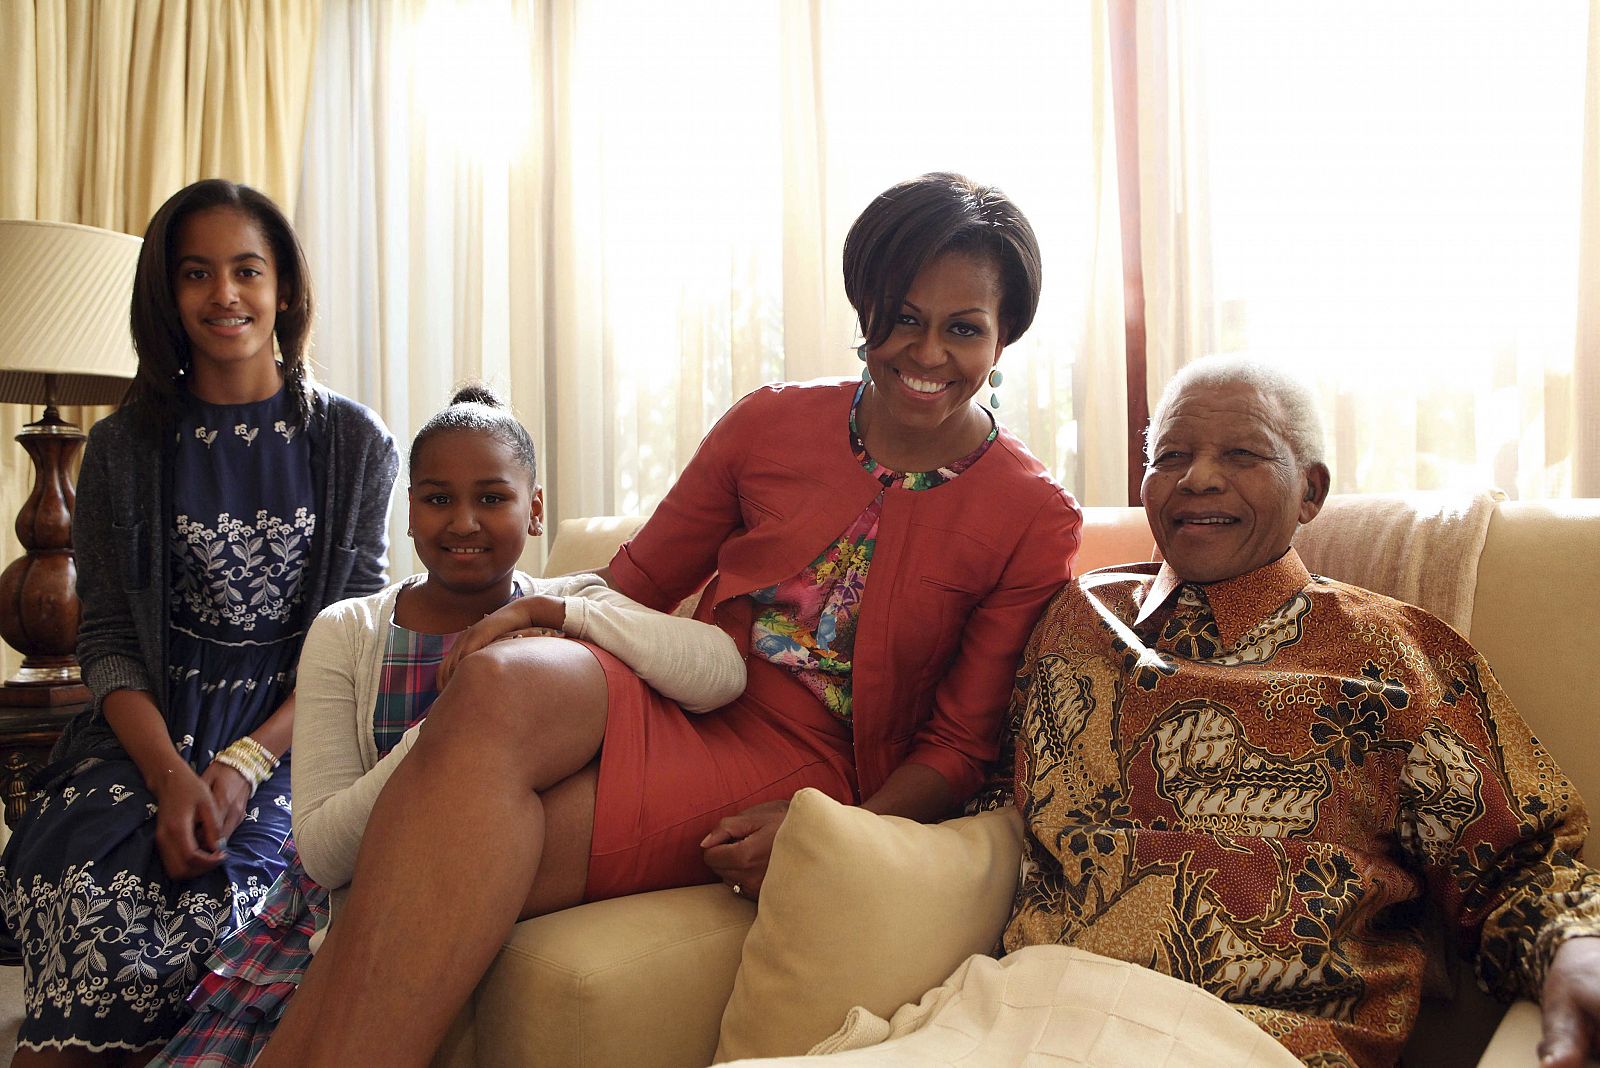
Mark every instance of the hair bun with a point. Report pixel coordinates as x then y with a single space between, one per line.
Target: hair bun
478 393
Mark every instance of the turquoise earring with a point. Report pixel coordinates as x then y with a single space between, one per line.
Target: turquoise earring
995 378
861 354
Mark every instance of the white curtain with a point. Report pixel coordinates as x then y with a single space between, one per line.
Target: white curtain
1389 201
628 214
1585 412
1174 199
419 283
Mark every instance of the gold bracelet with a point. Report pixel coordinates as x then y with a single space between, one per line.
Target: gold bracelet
260 751
250 759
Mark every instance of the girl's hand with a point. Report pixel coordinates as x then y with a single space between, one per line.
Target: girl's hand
531 632
535 610
188 828
740 847
230 793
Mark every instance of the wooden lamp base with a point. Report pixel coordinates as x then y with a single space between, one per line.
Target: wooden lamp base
39 607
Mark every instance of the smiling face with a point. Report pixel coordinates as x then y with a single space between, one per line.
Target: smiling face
473 507
945 341
1222 489
227 291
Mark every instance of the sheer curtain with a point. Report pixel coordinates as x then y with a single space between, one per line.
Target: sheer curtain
1174 198
408 237
1586 369
108 108
1021 99
1390 201
628 214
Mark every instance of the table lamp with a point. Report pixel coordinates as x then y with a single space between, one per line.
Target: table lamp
64 339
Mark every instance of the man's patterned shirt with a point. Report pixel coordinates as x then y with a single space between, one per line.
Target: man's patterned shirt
1258 785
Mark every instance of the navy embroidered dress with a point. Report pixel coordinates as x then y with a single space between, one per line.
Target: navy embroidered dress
256 970
110 943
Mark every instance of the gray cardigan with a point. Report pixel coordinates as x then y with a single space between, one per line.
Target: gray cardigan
119 536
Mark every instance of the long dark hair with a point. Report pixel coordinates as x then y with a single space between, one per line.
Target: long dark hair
911 224
158 392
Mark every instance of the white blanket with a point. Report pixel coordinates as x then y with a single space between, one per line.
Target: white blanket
1051 1005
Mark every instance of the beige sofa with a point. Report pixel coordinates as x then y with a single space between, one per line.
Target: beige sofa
642 981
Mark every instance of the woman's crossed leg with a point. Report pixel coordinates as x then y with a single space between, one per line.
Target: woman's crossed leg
503 766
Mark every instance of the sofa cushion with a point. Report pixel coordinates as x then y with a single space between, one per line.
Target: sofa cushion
637 981
862 909
589 544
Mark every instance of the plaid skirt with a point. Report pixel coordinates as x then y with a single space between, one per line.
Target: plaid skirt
252 974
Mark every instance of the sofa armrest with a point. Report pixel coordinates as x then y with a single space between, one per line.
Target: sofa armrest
1516 1040
1113 536
638 980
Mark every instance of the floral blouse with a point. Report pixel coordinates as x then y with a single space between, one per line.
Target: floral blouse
807 624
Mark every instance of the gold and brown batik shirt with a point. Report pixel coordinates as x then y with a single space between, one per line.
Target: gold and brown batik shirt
1257 786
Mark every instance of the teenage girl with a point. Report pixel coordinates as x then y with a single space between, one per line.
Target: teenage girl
369 673
224 504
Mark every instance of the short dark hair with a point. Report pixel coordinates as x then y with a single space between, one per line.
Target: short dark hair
910 224
478 408
158 334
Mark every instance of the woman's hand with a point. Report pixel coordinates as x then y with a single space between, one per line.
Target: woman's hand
740 847
230 793
536 611
188 827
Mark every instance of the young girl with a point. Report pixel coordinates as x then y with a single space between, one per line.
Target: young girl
369 673
220 508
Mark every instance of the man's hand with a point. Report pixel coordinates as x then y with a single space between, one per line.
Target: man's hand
1571 1000
740 847
188 828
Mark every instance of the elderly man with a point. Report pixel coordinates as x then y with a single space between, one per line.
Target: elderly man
1254 779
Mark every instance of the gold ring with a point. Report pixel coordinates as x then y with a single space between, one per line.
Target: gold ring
738 891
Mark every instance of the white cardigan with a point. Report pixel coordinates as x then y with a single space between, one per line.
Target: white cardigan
336 774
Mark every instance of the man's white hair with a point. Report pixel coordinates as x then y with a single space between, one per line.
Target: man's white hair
1297 408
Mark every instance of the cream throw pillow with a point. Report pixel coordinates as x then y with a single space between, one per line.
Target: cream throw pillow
862 909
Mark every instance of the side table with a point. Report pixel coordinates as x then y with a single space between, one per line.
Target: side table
31 719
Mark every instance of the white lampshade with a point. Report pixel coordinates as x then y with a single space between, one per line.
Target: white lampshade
64 296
